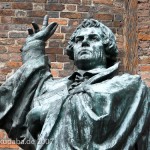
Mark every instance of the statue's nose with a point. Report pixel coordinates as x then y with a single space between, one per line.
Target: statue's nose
85 42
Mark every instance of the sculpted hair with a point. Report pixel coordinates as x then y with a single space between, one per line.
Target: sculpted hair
108 38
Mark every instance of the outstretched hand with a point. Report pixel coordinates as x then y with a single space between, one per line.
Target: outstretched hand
44 34
35 42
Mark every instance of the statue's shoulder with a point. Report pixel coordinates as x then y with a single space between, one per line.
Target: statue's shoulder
118 83
128 79
127 76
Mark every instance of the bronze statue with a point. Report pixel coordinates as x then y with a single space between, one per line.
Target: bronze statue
93 109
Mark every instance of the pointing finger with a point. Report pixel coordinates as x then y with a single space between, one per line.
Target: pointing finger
45 22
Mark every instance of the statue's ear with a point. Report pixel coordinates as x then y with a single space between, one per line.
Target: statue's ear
69 50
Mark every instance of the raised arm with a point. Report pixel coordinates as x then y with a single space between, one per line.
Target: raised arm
18 92
35 42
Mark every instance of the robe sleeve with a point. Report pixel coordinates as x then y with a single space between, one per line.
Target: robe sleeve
16 96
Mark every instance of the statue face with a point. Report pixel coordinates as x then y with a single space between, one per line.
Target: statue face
88 49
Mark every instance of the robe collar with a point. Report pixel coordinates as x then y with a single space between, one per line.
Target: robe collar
95 73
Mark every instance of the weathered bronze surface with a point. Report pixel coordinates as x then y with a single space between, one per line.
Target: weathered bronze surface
93 109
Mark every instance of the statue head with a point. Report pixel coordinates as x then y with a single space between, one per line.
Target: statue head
92 45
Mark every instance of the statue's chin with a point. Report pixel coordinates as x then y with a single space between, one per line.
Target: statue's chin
85 63
85 57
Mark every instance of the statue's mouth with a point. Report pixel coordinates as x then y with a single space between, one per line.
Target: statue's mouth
84 51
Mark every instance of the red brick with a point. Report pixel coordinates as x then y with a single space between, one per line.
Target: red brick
7 0
69 29
144 44
104 16
60 21
52 57
71 7
70 1
37 1
108 2
57 65
145 75
6 41
116 9
143 6
144 60
73 22
143 20
22 20
20 41
2 27
69 66
64 73
26 6
143 28
36 13
86 2
13 64
54 50
14 49
54 7
100 8
83 8
144 68
57 36
144 13
17 34
54 73
3 34
7 12
53 14
5 71
120 4
144 37
15 57
38 6
5 19
54 43
71 15
3 49
62 58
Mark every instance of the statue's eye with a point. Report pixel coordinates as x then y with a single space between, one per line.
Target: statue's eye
79 39
94 38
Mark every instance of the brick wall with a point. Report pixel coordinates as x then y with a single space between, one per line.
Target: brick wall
16 17
120 15
144 39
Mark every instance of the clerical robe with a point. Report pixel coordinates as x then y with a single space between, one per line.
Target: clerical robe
97 110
